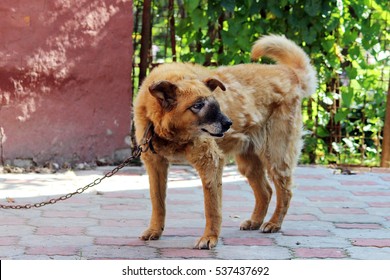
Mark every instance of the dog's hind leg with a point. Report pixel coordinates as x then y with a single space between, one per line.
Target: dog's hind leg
283 146
208 160
157 168
282 184
252 168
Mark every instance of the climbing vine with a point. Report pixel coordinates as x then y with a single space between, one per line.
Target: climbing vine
347 40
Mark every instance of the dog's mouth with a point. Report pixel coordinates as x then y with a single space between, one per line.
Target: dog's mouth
219 135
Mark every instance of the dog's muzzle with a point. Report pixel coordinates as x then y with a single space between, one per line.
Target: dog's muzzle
218 128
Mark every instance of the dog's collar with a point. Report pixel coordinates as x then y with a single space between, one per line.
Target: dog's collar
147 138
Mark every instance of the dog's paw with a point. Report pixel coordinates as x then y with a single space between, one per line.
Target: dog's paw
250 225
151 234
206 242
270 227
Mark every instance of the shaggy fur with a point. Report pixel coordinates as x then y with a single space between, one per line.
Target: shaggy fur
191 107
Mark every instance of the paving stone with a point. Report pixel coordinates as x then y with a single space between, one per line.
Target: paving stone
23 214
358 183
385 178
317 188
60 231
235 232
123 214
252 253
361 218
328 198
304 217
312 242
372 242
183 242
179 231
123 195
320 253
12 220
53 241
98 231
331 217
372 193
310 176
305 210
121 241
369 253
8 240
175 253
49 257
64 214
248 241
342 211
361 233
374 211
49 251
358 226
380 204
118 252
16 230
306 233
306 227
180 215
11 252
123 223
62 222
123 207
184 223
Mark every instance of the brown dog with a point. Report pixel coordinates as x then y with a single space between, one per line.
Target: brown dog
200 115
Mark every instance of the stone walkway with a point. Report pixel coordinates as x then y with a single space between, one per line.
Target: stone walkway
332 216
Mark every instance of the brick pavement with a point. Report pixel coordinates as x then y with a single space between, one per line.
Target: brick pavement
331 217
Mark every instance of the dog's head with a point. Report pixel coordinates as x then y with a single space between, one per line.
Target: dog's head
188 107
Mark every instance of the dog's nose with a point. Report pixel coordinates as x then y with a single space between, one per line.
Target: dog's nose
226 124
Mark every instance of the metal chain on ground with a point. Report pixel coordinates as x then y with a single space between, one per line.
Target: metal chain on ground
96 182
143 147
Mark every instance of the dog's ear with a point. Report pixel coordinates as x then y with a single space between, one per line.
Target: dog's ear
212 84
165 93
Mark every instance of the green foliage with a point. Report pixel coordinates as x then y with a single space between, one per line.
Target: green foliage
347 41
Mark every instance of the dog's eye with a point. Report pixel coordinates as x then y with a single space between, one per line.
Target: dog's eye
197 107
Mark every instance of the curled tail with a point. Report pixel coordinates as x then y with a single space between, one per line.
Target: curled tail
286 52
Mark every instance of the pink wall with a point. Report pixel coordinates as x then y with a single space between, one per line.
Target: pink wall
65 88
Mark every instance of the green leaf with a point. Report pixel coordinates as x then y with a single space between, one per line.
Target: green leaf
347 97
351 72
275 10
309 35
227 38
327 44
229 5
198 19
322 131
191 5
313 7
341 115
354 52
349 36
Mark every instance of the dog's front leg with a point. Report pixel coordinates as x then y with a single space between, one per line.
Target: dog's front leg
157 169
208 160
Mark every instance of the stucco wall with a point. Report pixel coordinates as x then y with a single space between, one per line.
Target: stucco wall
65 69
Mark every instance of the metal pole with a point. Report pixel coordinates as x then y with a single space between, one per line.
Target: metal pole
385 160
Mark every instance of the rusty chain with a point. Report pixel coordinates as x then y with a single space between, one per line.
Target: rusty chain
143 147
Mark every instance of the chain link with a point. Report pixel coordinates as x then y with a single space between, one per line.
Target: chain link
136 154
